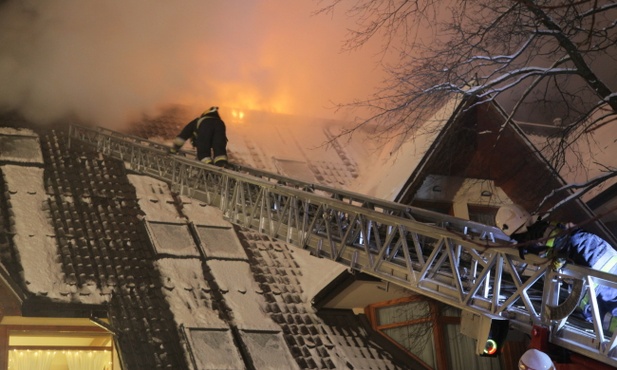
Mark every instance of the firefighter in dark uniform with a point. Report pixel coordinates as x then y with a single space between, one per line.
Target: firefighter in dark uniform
563 243
207 133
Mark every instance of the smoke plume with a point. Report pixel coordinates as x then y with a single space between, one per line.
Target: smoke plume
108 62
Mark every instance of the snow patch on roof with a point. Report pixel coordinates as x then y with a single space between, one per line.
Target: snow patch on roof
17 131
201 214
316 272
19 145
221 243
242 294
187 293
155 199
35 236
214 349
268 351
174 239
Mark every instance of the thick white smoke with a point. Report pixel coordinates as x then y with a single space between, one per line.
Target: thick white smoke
109 61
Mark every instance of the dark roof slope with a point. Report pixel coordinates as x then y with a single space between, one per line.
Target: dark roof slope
101 239
314 343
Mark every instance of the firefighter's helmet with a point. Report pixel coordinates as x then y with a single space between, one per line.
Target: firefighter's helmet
512 219
533 359
210 111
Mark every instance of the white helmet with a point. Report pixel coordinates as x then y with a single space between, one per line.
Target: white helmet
533 359
512 219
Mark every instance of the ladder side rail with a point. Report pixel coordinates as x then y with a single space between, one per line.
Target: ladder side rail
123 136
394 208
448 280
461 226
436 288
367 263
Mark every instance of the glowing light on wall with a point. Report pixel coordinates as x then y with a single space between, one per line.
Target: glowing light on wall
75 359
491 347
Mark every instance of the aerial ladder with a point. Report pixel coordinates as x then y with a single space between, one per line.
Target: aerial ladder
464 264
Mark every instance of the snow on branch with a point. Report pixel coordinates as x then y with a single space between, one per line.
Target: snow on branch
582 188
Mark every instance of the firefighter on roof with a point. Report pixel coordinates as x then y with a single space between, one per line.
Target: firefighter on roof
207 133
562 244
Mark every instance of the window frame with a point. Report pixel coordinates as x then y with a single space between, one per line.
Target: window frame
435 318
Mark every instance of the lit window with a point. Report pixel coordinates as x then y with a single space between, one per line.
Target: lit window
58 347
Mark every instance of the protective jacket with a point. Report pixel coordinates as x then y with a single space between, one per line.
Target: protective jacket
586 249
208 135
579 247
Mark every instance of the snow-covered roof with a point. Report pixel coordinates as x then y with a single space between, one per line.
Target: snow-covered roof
34 235
19 145
182 284
308 149
386 171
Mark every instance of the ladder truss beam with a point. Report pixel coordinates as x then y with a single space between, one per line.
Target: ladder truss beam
458 262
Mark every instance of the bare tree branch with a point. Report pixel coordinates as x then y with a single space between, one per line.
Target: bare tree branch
541 58
581 188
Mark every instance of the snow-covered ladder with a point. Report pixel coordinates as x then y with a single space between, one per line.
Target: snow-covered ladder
458 262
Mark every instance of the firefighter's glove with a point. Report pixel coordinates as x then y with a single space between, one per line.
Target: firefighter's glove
173 150
557 263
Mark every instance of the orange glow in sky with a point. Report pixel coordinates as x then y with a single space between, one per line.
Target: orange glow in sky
110 62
